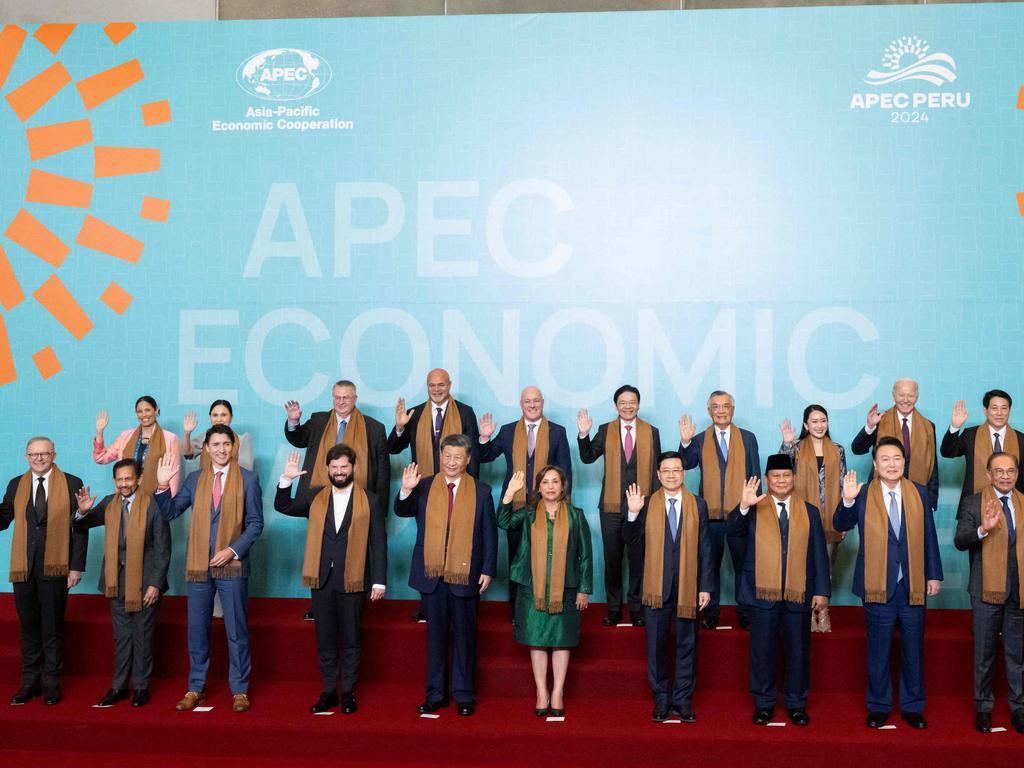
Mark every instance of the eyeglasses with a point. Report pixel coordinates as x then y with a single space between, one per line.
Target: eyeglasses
40 456
1012 472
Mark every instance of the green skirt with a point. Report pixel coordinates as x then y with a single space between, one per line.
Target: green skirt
546 630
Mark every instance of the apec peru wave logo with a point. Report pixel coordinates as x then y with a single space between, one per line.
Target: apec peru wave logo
907 58
283 74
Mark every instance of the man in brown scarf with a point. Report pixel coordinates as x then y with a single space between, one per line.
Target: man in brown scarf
227 518
47 559
136 555
988 526
915 434
453 561
897 565
785 576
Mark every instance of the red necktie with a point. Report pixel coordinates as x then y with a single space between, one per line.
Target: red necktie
629 444
216 490
451 501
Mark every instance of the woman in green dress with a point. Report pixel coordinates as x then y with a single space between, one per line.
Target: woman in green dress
554 567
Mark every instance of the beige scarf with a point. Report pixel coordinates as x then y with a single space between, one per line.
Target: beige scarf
355 438
539 557
452 425
768 552
807 484
57 549
448 545
983 449
994 551
519 456
711 475
155 452
643 450
654 554
232 509
134 547
355 548
876 542
922 442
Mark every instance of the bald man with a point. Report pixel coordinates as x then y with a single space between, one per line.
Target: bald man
528 444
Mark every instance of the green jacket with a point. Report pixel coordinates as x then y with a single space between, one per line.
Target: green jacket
579 566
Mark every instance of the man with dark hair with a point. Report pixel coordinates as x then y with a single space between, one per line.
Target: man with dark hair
227 518
136 556
727 456
671 525
346 556
47 559
988 526
630 447
453 561
997 437
897 566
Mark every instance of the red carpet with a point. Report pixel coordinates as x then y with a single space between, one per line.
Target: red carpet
608 703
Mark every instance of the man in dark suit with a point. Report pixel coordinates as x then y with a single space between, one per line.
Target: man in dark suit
221 532
630 447
136 555
46 561
905 423
987 527
1001 438
783 588
344 424
453 562
727 456
897 566
344 516
675 595
528 444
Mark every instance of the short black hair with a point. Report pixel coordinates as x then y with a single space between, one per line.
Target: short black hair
662 457
457 441
998 454
623 389
987 397
120 464
219 429
338 450
884 441
225 403
147 399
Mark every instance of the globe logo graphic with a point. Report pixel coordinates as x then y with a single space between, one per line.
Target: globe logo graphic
283 74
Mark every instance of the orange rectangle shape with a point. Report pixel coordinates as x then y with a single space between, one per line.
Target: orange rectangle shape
11 38
155 209
59 302
1020 202
29 97
53 36
120 161
47 140
156 112
117 298
51 189
7 372
11 294
1020 98
106 85
47 363
100 236
32 235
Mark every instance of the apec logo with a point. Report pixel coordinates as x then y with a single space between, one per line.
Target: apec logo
283 74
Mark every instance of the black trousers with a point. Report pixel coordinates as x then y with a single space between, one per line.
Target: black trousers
40 604
338 619
615 548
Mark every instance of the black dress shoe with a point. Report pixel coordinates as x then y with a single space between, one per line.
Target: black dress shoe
611 619
762 716
877 719
637 619
983 722
307 616
24 695
418 616
327 701
914 720
709 623
52 696
348 703
660 713
467 708
427 707
799 717
684 712
744 622
141 697
1017 718
113 696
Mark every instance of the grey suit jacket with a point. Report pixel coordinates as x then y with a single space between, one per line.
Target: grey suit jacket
966 539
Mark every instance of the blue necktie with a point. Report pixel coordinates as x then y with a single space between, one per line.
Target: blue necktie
341 431
783 519
1011 530
724 447
894 521
997 447
673 524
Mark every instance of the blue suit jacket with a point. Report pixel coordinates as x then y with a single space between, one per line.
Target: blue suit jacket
846 518
501 445
252 517
818 580
485 537
694 451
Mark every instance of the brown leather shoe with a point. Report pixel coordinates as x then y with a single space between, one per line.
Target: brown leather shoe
190 701
240 703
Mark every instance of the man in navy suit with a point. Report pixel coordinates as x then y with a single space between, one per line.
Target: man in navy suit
892 587
534 431
721 500
222 576
671 695
449 585
780 608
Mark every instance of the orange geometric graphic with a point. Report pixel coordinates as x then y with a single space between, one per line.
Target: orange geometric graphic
51 189
7 372
156 112
11 38
118 31
155 209
117 298
59 302
1020 202
100 236
32 235
105 85
53 36
47 140
11 294
1020 98
29 97
119 161
47 363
